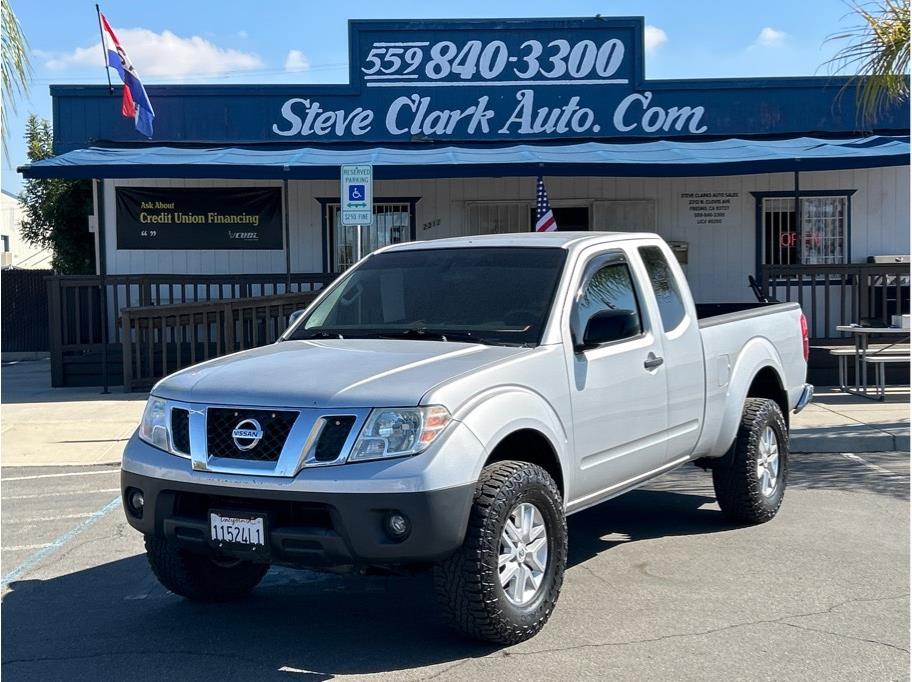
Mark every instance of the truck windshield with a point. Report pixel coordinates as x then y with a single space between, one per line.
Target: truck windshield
494 295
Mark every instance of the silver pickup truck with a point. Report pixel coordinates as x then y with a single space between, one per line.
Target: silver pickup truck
447 404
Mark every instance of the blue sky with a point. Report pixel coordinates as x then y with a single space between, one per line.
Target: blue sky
300 41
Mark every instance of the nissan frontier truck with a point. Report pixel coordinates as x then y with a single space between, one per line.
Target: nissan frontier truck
447 404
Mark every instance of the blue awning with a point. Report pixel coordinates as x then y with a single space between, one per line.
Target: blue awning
662 158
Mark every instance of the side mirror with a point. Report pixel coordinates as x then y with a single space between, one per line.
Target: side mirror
610 325
294 317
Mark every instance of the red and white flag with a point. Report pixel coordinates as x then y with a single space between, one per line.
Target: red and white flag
135 103
544 218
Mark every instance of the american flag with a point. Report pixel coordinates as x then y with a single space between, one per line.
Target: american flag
544 218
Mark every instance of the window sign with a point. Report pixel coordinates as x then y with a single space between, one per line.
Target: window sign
199 218
357 195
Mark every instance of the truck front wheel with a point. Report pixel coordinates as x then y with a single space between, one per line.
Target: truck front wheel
201 578
502 584
750 485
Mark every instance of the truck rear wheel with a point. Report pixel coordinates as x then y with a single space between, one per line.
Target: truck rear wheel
502 584
201 578
751 485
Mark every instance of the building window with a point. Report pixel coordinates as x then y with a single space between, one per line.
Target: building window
392 224
5 239
820 239
497 218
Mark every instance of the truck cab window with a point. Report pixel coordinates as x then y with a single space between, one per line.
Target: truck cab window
664 285
609 288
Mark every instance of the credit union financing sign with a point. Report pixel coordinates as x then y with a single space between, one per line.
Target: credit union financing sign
199 218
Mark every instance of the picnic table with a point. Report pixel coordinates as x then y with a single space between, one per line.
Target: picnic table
861 336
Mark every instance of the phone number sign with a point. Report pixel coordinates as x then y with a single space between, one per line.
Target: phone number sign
357 195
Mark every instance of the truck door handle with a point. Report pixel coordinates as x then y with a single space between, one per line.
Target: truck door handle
653 361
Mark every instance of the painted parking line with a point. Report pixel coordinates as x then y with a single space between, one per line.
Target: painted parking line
64 493
20 548
39 519
36 558
69 473
870 465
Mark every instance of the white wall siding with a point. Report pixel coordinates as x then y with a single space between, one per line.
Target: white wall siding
721 256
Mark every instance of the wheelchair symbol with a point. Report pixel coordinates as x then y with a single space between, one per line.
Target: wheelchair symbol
356 192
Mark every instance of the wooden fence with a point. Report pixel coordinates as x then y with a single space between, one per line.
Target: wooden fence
833 295
158 340
79 356
23 299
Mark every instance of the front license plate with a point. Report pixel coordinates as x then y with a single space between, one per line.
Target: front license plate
249 530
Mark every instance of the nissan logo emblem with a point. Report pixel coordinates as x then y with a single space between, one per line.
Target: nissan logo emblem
247 434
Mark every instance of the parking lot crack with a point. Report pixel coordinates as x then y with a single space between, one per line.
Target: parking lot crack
843 635
782 620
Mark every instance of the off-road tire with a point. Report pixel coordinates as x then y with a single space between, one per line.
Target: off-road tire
197 577
737 485
468 585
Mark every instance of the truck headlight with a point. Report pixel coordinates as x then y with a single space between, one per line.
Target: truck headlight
154 426
396 432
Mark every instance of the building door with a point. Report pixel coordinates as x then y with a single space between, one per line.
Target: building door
568 218
392 224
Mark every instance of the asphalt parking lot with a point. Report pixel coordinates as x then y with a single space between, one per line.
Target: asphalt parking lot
659 587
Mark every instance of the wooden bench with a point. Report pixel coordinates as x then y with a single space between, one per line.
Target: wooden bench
878 350
880 363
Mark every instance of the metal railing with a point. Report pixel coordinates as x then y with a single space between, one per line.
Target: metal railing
158 340
76 319
833 295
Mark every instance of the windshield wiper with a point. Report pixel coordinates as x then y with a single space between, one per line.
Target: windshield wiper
423 333
318 334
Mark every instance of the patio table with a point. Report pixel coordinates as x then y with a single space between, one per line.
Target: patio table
861 336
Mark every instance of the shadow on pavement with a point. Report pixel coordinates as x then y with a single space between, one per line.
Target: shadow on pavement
114 621
29 381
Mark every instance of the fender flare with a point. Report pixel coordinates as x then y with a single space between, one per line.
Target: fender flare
757 354
484 416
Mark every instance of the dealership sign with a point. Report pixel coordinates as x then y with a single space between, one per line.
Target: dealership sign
561 78
492 80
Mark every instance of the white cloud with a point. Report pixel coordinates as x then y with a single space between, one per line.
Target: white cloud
770 37
296 61
163 55
242 35
654 37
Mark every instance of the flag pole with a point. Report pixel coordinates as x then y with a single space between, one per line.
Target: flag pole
104 51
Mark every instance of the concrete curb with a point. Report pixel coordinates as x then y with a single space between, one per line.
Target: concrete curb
834 439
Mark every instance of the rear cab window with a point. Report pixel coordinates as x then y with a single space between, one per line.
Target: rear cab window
664 286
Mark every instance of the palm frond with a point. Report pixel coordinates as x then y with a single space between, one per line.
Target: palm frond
876 55
16 67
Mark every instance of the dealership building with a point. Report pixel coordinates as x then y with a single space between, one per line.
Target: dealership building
771 178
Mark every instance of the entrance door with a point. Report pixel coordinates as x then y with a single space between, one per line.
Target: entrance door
392 224
568 218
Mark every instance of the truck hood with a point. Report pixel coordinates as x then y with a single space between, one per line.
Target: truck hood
330 373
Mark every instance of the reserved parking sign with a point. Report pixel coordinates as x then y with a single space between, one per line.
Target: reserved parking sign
357 195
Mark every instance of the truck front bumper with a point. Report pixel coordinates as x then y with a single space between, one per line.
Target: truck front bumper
310 529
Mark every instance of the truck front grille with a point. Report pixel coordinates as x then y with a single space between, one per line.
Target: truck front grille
274 424
180 429
332 437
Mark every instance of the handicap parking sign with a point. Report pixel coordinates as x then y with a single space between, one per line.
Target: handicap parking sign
357 195
356 192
